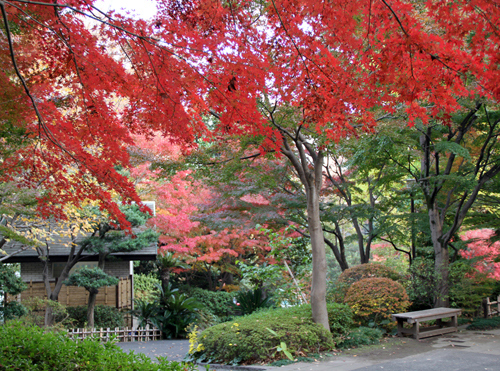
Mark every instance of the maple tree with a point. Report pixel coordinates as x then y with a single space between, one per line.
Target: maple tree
295 74
193 217
480 246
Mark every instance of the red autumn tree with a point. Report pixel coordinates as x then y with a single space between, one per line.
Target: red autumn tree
479 246
196 222
294 74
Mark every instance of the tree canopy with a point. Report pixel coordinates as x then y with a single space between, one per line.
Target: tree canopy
296 75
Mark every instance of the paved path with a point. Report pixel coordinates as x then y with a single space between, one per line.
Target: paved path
174 350
465 350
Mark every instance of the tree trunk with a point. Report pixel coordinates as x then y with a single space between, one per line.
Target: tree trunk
318 290
90 308
441 260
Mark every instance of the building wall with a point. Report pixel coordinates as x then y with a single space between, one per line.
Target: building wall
33 271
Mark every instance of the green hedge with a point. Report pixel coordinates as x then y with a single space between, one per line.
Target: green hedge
36 349
258 337
219 303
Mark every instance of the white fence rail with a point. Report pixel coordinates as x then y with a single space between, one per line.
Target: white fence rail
120 334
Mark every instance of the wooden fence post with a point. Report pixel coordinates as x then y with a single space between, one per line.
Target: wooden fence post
486 307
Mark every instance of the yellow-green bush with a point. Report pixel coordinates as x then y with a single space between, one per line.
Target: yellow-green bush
260 337
374 300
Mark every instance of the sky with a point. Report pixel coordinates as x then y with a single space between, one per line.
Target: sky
144 8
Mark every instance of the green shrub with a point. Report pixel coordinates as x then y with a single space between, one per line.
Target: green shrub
256 337
14 310
104 316
34 348
359 272
361 336
175 312
219 303
340 318
251 300
374 300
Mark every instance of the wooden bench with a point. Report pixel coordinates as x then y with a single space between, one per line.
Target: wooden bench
417 317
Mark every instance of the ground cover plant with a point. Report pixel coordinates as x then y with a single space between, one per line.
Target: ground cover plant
268 335
484 324
33 348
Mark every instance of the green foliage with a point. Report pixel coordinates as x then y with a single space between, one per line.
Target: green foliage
256 337
14 310
468 288
175 312
134 215
374 300
36 312
251 300
484 324
421 284
359 272
361 336
117 241
340 318
219 303
9 281
104 316
145 286
92 279
144 311
33 348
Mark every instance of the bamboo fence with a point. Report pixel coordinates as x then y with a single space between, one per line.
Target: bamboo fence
125 334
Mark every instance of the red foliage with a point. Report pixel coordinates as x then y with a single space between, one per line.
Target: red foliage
479 246
334 61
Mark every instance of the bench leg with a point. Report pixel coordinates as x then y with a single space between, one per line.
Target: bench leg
416 330
400 327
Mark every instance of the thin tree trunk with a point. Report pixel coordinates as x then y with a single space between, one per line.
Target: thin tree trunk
441 260
318 289
91 307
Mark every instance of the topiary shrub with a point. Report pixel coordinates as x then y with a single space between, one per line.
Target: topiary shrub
104 316
260 337
374 300
359 272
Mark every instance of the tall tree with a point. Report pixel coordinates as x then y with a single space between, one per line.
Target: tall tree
330 62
